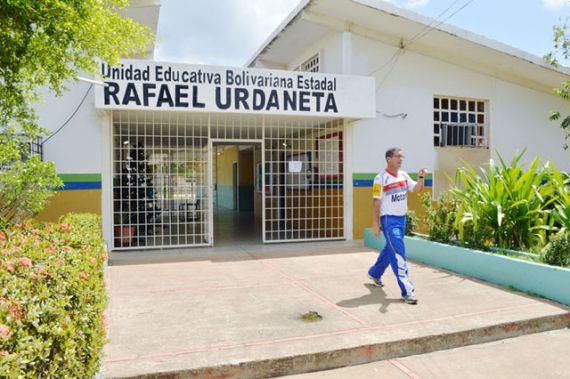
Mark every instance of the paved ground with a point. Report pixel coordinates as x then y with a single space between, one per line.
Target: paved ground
235 311
539 355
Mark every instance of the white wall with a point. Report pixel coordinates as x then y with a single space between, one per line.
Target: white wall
518 115
330 48
521 121
77 147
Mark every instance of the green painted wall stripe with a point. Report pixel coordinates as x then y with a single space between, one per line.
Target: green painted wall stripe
371 176
363 176
80 177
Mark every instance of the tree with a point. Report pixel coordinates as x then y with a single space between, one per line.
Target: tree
43 44
137 199
48 42
561 49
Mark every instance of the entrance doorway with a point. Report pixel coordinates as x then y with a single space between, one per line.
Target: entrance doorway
237 209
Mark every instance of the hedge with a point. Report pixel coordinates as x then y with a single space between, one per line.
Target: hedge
52 299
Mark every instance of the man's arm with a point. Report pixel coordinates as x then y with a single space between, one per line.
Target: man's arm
421 179
375 226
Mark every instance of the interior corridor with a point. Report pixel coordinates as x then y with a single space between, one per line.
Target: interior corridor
236 228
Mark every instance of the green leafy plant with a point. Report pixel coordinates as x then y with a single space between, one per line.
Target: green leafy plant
560 211
440 217
411 223
52 299
505 206
26 183
557 251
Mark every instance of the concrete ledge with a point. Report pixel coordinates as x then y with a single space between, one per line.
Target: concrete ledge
326 360
534 278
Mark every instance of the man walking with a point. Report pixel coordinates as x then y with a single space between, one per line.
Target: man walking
390 196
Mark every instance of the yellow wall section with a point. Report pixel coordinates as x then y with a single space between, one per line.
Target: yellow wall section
363 210
71 201
225 161
320 209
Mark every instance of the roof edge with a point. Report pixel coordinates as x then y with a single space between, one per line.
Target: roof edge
294 13
412 16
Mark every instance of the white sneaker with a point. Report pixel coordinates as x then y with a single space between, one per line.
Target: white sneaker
410 299
376 281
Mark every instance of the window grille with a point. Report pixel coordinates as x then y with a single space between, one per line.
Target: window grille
310 65
460 122
36 148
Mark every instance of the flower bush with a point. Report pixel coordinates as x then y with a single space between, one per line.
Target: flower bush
52 298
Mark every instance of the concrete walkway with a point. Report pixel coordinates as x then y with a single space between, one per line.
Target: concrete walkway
235 312
540 355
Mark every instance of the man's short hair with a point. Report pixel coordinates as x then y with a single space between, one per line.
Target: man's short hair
391 151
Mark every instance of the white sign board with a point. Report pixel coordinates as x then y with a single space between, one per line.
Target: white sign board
295 166
151 85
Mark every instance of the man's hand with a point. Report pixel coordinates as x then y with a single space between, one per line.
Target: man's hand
421 180
375 231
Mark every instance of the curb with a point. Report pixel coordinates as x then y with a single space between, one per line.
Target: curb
332 359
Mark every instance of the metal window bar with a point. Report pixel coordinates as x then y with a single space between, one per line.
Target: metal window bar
466 135
310 65
460 122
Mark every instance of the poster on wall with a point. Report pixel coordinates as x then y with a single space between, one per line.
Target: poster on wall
299 171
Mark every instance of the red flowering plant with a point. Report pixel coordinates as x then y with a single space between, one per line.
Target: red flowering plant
52 298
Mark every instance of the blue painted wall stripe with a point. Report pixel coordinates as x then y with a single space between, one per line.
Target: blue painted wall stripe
368 183
69 186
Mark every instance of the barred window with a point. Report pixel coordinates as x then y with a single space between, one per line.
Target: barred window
310 65
27 145
460 122
36 147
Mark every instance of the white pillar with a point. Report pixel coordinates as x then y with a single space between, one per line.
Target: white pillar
107 176
347 53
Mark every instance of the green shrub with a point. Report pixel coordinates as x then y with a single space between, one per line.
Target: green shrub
52 299
506 206
557 251
411 223
560 211
440 217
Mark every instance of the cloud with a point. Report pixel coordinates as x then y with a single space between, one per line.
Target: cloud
410 3
556 4
221 32
416 3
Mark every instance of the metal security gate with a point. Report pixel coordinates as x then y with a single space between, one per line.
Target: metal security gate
304 198
160 180
162 176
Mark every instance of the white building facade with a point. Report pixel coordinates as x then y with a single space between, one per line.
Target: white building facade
442 94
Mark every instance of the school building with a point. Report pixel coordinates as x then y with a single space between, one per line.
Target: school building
285 148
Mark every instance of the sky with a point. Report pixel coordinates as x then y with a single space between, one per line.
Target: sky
229 32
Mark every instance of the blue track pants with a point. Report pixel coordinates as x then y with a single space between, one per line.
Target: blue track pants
394 253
